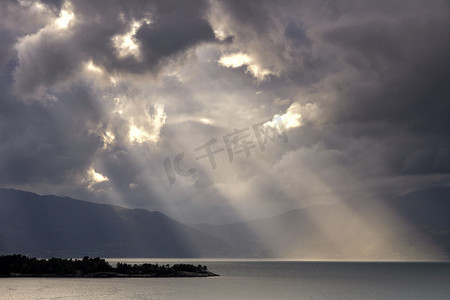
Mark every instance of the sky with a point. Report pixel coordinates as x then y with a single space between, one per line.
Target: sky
219 111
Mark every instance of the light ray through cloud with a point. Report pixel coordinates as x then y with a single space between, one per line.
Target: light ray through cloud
129 103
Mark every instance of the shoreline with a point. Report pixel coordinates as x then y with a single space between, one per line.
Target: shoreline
111 275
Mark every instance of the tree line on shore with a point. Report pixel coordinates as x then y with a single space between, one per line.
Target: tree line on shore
17 264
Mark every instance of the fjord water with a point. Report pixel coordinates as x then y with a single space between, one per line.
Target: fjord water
252 279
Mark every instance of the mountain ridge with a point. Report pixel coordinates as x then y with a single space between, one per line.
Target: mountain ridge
410 226
61 226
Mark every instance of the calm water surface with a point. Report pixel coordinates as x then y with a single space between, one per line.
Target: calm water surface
251 280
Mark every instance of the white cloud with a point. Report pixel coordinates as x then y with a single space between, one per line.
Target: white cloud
65 17
150 131
138 135
96 177
93 68
294 115
237 60
126 44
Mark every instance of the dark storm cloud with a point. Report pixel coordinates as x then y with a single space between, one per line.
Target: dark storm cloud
377 71
53 56
175 27
46 144
402 68
41 143
46 61
250 14
14 23
400 79
174 33
55 4
7 39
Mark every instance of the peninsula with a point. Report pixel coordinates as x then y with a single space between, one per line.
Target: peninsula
21 266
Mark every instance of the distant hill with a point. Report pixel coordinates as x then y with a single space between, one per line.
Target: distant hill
46 226
413 226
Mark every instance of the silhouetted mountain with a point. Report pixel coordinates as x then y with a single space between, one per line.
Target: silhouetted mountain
428 211
413 226
46 226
